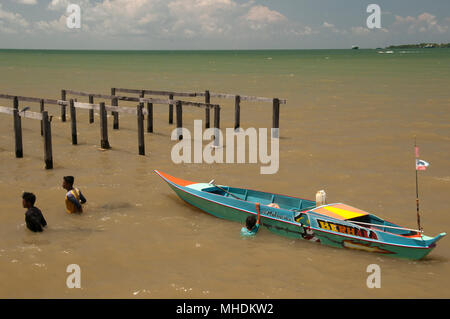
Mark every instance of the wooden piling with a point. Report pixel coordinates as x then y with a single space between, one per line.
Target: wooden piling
113 92
140 122
179 119
48 156
41 108
150 117
17 128
91 111
16 102
276 118
216 116
115 102
63 107
18 133
73 122
171 110
104 127
237 112
207 109
216 124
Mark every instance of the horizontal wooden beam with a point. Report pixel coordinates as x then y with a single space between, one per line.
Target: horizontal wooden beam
103 96
199 94
159 101
151 92
29 99
119 109
155 101
26 114
198 104
194 94
149 100
245 97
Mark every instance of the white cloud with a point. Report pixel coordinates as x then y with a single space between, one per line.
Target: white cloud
424 22
11 19
331 27
260 16
58 25
174 19
202 17
360 30
264 15
58 4
30 2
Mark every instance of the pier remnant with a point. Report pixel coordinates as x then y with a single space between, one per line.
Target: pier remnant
48 155
179 120
140 125
73 122
104 143
63 106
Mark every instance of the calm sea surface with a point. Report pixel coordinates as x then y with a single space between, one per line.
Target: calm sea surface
348 128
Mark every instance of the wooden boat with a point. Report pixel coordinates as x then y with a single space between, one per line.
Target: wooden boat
336 225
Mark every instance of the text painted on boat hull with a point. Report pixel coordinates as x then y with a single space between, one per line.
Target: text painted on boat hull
349 230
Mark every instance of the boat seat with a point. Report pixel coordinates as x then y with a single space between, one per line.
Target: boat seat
287 202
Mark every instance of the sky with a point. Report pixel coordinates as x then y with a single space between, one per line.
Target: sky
220 24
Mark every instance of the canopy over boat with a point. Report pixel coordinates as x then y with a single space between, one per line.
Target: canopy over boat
340 211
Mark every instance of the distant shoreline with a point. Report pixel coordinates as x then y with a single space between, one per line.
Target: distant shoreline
402 46
419 46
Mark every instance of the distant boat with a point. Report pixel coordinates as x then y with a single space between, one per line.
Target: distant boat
355 47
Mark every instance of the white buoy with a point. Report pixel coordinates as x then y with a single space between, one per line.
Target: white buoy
321 198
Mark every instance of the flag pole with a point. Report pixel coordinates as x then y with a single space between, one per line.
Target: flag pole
417 185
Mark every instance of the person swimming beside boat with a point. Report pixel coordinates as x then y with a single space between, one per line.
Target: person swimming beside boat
251 224
33 216
74 197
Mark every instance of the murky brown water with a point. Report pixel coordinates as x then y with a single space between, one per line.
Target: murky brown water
348 128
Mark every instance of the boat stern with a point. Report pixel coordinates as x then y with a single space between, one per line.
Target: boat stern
431 241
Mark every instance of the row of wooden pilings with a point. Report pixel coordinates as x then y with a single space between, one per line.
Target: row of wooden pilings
46 132
207 95
139 112
115 110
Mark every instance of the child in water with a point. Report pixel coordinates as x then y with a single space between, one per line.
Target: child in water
74 198
252 224
33 216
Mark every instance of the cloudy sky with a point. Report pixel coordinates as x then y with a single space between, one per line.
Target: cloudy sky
220 24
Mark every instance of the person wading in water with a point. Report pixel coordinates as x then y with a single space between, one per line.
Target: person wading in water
33 216
251 224
74 197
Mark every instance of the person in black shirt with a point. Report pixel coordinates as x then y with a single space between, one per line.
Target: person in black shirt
33 216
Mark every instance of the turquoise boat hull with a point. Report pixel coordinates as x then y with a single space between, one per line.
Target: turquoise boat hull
300 219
